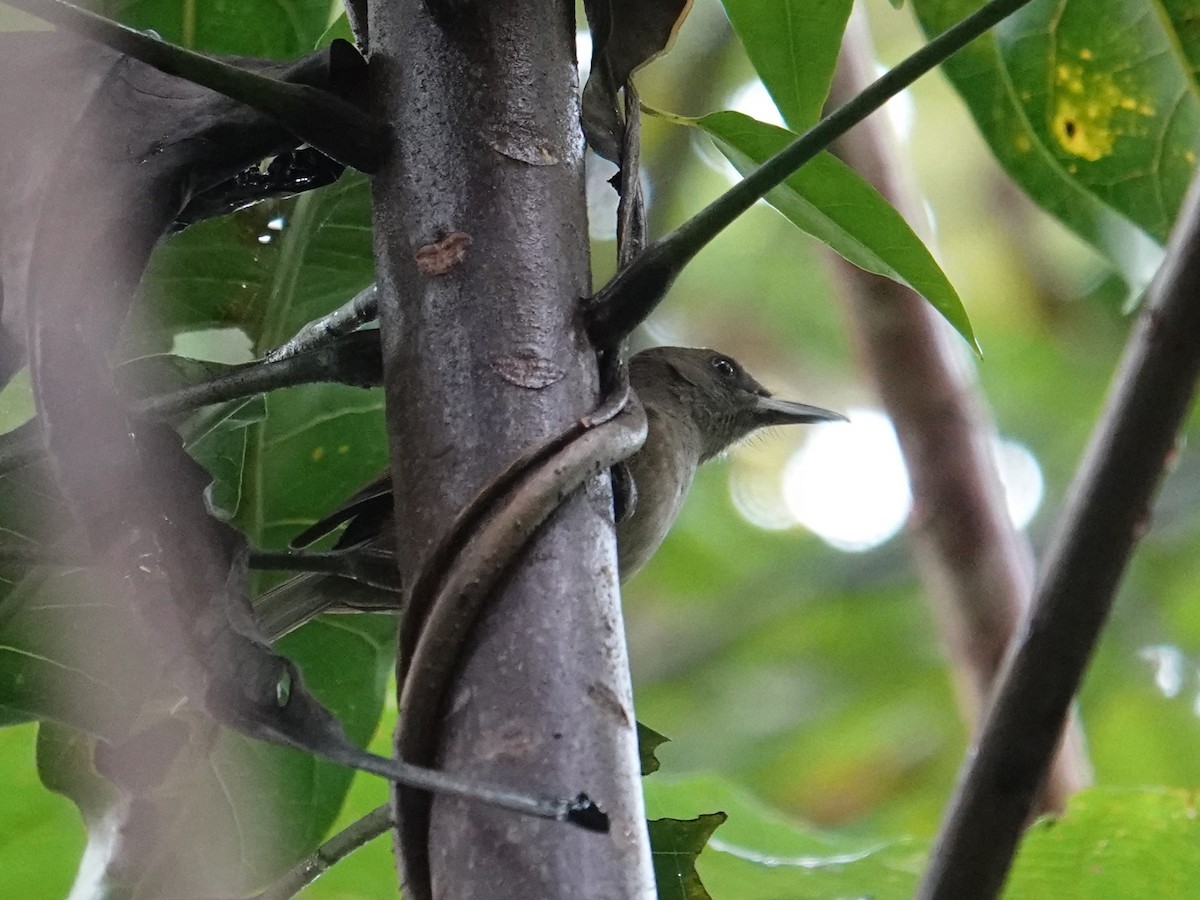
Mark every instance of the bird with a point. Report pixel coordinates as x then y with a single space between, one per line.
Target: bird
698 403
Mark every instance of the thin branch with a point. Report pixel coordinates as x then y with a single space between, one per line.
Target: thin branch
978 569
1105 513
355 835
623 303
320 117
352 359
374 568
362 308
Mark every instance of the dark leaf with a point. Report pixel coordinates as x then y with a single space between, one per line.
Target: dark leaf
625 36
649 740
674 846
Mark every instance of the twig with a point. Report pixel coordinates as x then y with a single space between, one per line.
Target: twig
977 568
351 359
355 835
1105 513
623 303
374 568
320 117
362 308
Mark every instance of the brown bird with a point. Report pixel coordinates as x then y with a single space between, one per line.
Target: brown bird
698 403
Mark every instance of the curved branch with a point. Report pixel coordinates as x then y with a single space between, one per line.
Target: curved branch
623 303
1105 513
459 595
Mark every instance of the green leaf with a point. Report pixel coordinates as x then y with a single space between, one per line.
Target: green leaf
40 832
826 199
319 443
794 46
278 29
217 437
1092 108
649 740
1112 843
71 654
674 846
759 853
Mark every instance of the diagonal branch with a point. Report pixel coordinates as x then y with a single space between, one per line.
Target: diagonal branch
355 835
322 118
977 568
623 303
1105 513
360 309
351 359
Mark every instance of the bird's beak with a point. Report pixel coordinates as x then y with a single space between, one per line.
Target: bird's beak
770 411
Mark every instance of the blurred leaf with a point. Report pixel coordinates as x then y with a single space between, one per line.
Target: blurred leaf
278 29
674 846
1091 107
760 854
794 46
827 199
648 741
231 813
72 655
1112 844
41 836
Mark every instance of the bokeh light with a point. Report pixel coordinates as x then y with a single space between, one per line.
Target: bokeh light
847 483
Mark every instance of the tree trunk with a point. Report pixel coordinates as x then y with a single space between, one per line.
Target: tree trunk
483 358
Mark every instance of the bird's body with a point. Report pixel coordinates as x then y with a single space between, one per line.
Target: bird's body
697 402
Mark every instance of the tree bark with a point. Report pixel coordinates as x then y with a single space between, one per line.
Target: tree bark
483 358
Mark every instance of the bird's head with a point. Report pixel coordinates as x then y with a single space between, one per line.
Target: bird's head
722 400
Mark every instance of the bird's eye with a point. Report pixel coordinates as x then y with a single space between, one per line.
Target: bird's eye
283 688
725 366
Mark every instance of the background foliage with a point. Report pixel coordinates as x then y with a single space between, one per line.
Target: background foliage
802 687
